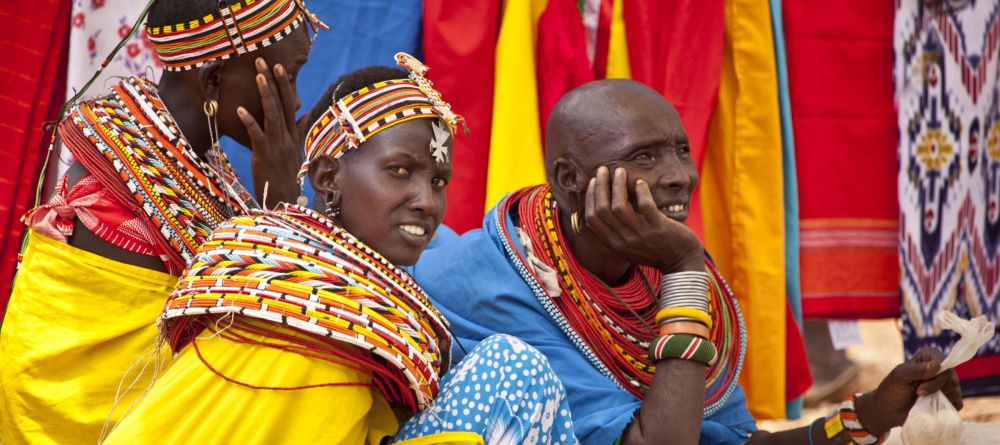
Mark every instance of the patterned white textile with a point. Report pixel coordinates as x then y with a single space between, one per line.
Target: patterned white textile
947 62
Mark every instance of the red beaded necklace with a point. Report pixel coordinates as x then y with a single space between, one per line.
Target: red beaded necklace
604 317
617 324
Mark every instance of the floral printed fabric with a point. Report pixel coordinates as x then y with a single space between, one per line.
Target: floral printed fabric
96 27
505 391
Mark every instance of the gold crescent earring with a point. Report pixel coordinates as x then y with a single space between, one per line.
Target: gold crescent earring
574 220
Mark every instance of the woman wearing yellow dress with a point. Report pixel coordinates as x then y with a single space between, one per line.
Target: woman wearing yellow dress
297 326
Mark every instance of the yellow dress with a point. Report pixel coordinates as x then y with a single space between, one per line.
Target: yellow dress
191 404
75 324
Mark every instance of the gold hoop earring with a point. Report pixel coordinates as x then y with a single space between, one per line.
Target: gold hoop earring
216 159
574 220
210 107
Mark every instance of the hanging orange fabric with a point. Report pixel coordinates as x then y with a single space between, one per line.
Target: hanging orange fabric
742 192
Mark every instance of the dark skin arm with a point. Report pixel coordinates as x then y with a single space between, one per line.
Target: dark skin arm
887 406
672 409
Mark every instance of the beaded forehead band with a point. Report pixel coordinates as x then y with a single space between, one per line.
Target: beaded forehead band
235 29
350 121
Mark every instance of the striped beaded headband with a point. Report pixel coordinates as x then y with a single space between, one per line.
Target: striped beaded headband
236 29
350 121
296 268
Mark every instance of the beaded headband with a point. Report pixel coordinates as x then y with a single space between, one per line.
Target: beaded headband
350 121
235 29
296 268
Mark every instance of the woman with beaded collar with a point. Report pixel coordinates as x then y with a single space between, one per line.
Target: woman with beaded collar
148 186
301 321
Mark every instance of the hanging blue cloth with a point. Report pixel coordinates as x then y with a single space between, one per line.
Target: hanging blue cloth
361 34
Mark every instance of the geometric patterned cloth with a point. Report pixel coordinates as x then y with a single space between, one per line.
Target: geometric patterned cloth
947 62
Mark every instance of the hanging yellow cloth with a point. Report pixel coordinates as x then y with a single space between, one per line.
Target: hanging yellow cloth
742 192
75 324
191 404
619 66
515 141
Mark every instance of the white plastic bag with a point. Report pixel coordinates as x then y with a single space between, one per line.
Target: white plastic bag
932 420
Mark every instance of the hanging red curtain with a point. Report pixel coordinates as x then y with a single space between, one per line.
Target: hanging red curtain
32 86
840 82
459 46
560 55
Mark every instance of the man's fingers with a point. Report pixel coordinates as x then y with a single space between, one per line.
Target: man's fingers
269 96
644 199
257 137
952 389
620 203
592 220
289 100
933 385
602 197
913 371
928 354
947 382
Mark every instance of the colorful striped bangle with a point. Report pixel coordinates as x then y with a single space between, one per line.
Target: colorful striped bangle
845 418
684 347
857 432
683 312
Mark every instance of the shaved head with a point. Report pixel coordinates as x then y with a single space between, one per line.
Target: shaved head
589 116
614 123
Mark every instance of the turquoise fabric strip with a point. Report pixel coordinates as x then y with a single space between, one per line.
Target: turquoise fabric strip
793 291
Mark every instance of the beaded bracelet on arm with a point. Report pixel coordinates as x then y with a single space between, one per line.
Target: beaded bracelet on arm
845 418
684 347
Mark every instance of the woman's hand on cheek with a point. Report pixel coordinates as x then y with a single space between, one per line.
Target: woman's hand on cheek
641 234
277 148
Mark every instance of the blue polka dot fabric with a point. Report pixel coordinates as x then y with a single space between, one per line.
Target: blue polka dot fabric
505 391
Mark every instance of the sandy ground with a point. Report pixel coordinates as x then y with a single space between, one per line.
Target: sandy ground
882 340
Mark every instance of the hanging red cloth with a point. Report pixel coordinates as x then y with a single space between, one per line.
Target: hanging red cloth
798 377
32 87
459 45
676 47
840 82
560 55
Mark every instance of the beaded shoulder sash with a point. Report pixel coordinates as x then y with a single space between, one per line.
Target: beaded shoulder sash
297 269
613 328
129 142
